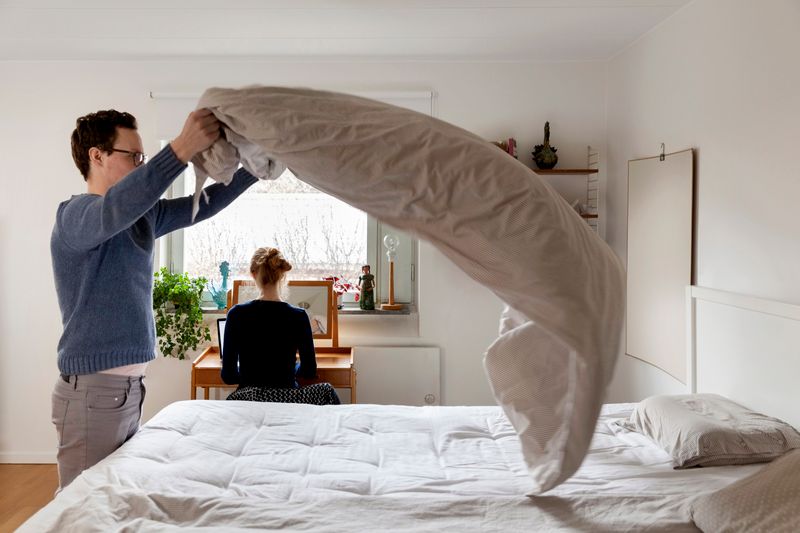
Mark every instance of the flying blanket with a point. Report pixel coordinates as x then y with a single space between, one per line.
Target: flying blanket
491 215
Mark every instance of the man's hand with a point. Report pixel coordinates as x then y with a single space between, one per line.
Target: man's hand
200 131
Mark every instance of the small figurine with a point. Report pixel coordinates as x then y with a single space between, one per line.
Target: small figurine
366 283
220 295
544 155
509 146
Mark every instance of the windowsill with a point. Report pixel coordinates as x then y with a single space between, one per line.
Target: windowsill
356 311
407 309
358 327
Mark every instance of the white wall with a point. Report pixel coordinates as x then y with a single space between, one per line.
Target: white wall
720 76
39 102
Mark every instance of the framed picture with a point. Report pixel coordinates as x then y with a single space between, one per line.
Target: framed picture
316 297
243 291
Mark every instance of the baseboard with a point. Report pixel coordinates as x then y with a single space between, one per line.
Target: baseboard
27 458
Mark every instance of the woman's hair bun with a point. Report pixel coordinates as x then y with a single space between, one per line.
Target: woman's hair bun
268 265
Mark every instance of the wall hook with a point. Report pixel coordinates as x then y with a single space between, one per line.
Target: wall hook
662 156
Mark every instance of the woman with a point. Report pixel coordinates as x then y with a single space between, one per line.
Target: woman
262 338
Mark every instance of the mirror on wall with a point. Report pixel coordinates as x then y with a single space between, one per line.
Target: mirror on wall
660 260
316 297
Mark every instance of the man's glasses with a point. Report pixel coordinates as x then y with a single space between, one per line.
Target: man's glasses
138 158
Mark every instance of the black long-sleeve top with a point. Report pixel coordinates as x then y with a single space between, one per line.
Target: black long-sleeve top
263 337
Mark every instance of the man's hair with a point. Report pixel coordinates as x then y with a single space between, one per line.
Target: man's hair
97 130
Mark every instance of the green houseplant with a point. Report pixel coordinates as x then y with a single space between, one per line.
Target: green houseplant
179 318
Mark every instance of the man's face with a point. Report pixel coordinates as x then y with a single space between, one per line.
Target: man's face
117 165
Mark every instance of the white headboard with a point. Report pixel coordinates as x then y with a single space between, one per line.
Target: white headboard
745 348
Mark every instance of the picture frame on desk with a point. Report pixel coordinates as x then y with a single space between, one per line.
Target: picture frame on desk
316 297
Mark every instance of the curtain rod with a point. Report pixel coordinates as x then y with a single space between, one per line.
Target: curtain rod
156 95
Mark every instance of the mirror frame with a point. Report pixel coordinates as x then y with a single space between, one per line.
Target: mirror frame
325 287
660 259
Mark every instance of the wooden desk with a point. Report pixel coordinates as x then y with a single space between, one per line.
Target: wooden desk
334 365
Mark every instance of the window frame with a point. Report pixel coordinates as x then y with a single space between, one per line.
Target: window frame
171 109
171 254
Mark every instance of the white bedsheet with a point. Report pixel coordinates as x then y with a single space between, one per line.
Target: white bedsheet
245 465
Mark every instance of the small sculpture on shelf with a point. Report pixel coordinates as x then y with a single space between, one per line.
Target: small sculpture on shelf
366 284
220 295
544 155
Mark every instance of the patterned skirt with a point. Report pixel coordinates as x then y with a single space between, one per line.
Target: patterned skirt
317 394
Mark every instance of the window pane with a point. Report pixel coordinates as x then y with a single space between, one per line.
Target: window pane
318 234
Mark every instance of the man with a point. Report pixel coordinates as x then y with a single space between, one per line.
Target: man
102 249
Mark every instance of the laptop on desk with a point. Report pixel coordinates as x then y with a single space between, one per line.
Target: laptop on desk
221 334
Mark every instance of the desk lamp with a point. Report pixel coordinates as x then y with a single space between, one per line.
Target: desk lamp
391 242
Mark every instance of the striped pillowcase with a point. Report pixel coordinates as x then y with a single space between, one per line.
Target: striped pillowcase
768 500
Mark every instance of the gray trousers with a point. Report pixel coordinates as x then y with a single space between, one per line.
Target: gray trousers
94 414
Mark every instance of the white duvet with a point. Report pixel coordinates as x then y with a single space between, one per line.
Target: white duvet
487 212
235 466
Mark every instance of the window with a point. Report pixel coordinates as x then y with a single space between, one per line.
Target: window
320 235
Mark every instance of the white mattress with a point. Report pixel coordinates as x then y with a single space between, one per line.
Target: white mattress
229 465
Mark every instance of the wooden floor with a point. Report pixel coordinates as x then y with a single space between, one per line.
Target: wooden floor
24 489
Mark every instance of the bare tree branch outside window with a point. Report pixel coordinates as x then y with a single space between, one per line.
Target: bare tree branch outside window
293 240
320 235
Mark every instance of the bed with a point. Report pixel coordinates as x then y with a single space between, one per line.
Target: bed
245 465
230 466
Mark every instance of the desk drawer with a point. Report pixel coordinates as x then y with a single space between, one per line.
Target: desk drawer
208 377
338 377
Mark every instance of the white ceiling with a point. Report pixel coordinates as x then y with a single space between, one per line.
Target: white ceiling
418 30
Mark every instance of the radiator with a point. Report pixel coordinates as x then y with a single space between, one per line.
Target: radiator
402 375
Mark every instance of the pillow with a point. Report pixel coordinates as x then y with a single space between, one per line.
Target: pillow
768 500
710 430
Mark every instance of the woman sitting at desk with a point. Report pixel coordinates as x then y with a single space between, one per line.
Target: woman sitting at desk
262 338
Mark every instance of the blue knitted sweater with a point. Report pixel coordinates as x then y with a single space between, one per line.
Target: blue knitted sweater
102 249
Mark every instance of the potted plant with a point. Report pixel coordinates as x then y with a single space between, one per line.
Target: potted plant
179 318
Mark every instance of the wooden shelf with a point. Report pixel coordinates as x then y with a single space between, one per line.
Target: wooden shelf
566 171
573 171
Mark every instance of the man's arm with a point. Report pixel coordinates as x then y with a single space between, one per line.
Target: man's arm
171 215
89 220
